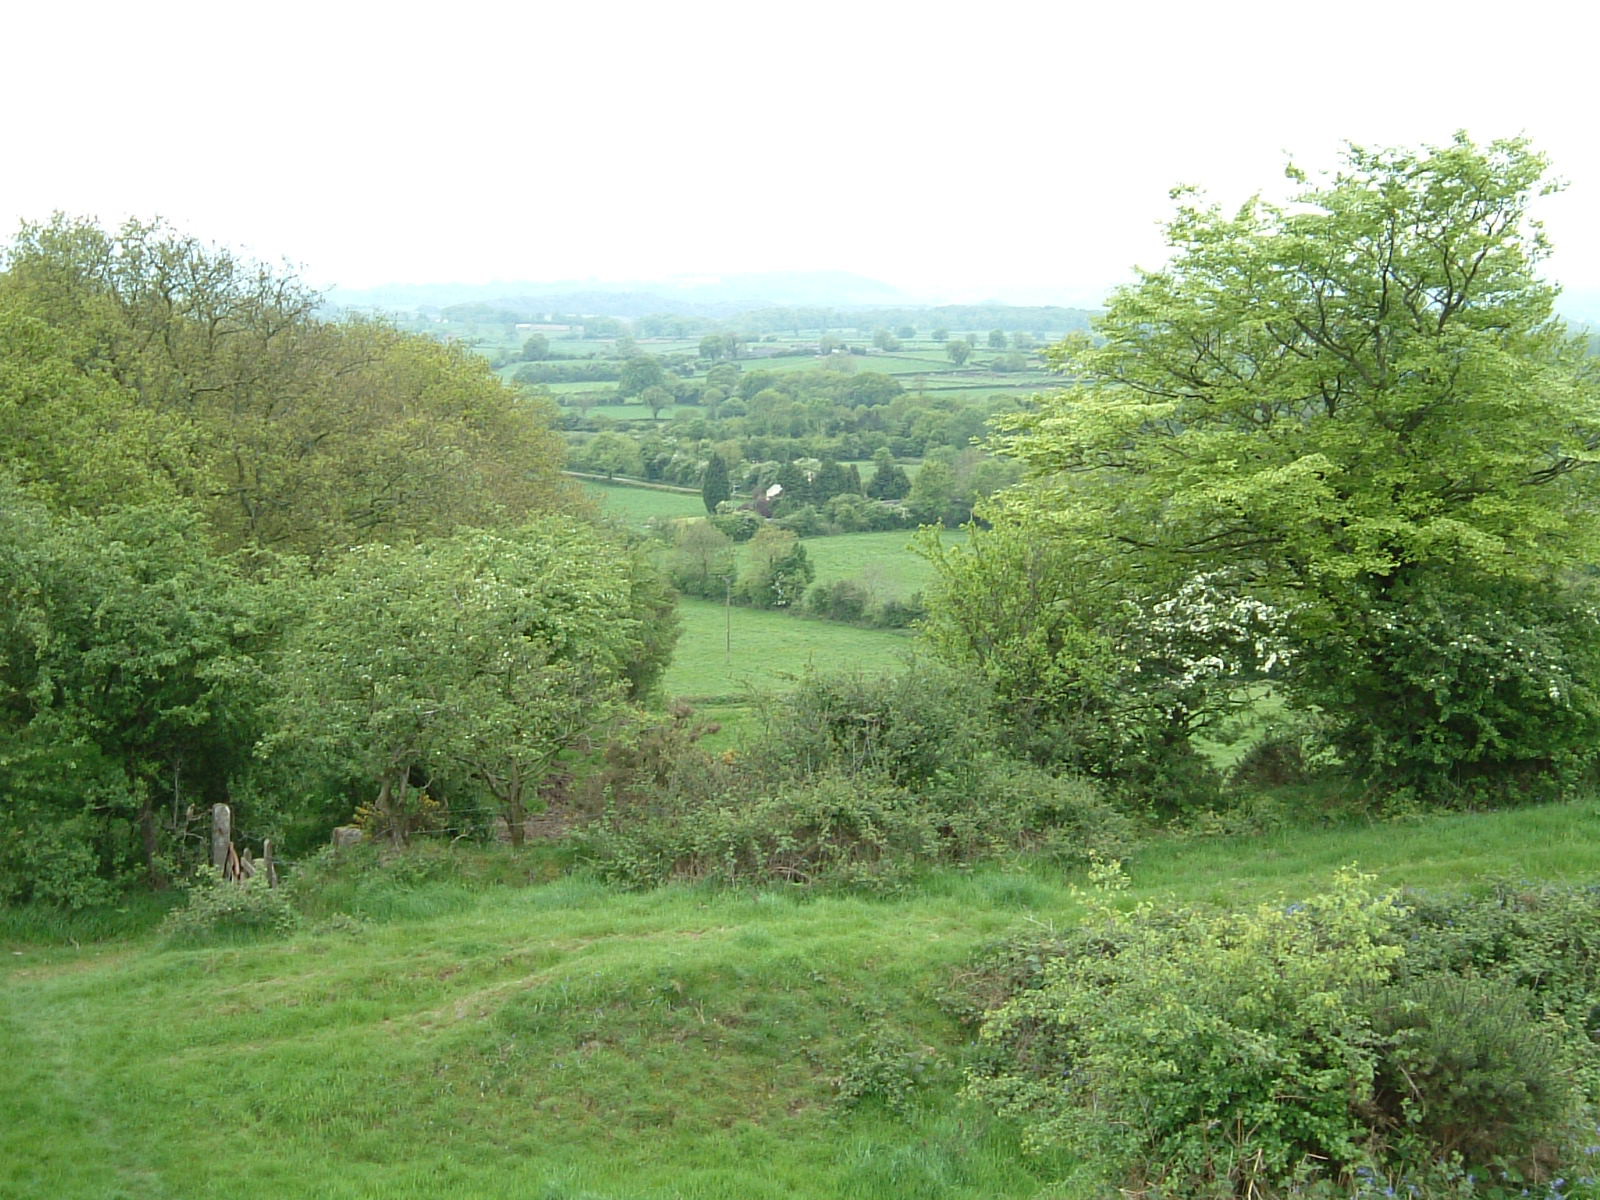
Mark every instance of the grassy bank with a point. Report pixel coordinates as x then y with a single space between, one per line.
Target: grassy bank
565 1040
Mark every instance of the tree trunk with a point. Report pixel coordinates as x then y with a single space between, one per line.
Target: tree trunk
150 841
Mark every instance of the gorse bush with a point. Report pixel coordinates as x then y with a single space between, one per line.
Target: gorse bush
913 728
1466 1073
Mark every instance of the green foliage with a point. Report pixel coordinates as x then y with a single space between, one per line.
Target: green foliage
917 728
219 910
842 600
889 480
129 691
640 373
193 372
889 1067
715 486
1165 1051
1083 681
1544 939
855 782
1455 687
1340 410
1467 1074
1333 1043
74 437
776 570
484 655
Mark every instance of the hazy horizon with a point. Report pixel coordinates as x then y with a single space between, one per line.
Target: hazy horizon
1011 152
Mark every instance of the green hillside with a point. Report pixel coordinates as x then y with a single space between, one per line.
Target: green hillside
452 1038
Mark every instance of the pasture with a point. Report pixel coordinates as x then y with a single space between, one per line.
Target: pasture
638 506
884 562
726 652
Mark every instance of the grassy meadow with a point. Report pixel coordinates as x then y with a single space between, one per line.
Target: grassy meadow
884 562
727 655
554 1038
638 506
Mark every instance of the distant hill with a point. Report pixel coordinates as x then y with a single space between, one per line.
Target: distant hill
709 296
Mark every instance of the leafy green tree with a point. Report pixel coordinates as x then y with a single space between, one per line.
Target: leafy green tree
536 348
934 498
655 399
940 334
75 437
486 654
712 346
958 350
128 693
290 432
777 570
701 559
715 486
889 480
1345 409
614 454
638 373
997 339
906 332
884 340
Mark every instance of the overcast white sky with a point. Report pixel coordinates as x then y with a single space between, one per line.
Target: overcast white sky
994 149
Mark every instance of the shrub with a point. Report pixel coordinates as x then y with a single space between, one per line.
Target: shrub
1467 1074
1463 690
888 1066
852 782
221 910
895 613
1168 1048
841 600
835 829
1342 1044
912 727
740 525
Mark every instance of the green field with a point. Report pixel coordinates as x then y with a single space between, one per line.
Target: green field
726 652
564 1041
638 505
884 562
